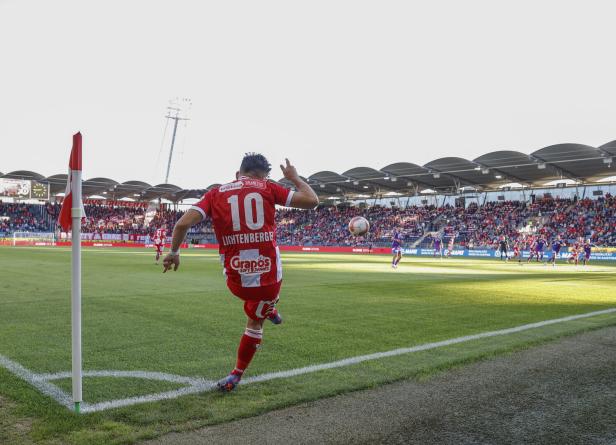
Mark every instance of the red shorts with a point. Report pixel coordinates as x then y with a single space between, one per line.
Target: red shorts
258 301
159 247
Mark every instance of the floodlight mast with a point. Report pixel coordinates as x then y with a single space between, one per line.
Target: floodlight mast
174 112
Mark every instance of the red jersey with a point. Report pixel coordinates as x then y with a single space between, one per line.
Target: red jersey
160 236
243 214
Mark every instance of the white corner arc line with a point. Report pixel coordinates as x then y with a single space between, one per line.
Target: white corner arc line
193 389
49 389
149 375
197 385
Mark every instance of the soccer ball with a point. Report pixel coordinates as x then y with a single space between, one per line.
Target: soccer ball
359 226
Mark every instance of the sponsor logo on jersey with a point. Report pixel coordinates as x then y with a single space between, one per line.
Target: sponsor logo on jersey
254 183
258 265
231 186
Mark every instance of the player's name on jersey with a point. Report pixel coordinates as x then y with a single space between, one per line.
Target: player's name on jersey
248 238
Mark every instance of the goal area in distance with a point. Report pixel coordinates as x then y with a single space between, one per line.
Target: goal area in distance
34 239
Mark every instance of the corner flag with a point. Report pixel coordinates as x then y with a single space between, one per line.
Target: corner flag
70 218
74 167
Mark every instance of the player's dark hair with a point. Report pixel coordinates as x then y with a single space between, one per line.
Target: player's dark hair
255 163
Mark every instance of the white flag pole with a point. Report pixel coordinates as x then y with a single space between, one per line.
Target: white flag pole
76 286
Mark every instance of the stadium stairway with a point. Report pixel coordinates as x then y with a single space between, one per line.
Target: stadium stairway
425 235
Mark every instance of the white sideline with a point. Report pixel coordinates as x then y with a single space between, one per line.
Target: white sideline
424 347
197 385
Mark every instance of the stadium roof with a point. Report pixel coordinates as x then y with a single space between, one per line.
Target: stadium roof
449 175
577 162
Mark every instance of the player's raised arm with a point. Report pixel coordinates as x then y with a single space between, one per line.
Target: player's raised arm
189 219
304 197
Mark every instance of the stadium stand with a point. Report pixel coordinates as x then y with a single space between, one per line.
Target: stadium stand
16 217
473 226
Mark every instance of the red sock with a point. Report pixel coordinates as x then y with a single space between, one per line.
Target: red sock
248 346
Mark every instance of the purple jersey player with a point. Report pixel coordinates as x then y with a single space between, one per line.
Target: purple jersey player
438 247
396 250
556 246
539 245
587 250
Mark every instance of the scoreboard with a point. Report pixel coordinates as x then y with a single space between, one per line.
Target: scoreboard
23 189
39 190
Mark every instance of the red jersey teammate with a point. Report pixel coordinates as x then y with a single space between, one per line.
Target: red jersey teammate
242 213
160 236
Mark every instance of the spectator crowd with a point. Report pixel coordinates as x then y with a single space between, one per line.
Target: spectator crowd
16 217
473 226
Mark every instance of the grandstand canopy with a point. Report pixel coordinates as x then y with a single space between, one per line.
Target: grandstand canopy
575 161
98 186
57 183
609 149
186 194
130 189
24 174
166 191
515 167
409 176
449 175
458 172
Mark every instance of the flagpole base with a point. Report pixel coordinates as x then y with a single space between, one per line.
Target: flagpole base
77 407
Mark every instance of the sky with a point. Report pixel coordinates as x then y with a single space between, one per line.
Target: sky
331 84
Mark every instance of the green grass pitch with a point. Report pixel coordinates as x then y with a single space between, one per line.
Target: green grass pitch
187 323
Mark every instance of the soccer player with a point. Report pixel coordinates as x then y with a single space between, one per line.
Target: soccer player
242 213
100 230
516 252
539 247
450 244
556 246
396 250
532 247
575 253
587 250
503 248
159 238
437 245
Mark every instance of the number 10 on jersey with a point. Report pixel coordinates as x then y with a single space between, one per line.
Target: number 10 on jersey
253 218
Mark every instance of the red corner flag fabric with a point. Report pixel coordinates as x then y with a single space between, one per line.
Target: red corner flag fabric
74 164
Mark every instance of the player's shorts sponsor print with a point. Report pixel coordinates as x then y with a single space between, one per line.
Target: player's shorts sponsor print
256 265
250 264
